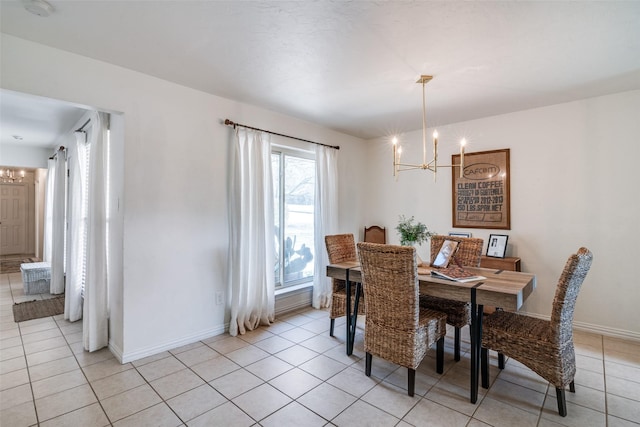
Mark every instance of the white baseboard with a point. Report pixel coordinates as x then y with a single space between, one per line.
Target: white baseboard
285 302
610 332
116 351
597 329
293 300
150 351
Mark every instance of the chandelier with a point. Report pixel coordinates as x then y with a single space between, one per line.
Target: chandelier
10 176
432 165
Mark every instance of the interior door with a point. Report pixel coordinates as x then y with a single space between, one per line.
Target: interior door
13 219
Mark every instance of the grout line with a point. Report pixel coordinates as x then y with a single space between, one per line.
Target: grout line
24 354
85 377
419 397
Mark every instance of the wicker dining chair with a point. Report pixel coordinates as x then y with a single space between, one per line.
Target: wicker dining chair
397 329
469 253
375 234
341 248
545 346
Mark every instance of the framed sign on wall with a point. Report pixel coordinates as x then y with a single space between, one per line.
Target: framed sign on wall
481 198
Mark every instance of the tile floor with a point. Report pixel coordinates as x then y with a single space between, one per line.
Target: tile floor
290 373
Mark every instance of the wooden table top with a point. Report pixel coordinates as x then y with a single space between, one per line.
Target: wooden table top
501 288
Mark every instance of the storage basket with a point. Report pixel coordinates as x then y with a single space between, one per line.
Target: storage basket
36 277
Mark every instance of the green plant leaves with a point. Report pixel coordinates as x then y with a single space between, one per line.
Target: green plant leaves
411 232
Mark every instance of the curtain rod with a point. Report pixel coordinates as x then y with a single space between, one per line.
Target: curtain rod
56 153
81 128
231 123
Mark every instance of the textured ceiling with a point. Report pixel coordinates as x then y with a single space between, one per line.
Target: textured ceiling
352 66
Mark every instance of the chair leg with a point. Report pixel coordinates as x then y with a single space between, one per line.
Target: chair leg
367 364
500 360
412 382
562 403
440 355
333 322
484 366
572 387
456 344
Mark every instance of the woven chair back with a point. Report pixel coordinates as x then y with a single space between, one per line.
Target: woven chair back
469 251
575 270
340 248
375 234
390 282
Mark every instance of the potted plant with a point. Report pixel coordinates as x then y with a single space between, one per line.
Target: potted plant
412 233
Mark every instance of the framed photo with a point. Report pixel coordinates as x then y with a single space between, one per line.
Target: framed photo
481 198
497 245
455 234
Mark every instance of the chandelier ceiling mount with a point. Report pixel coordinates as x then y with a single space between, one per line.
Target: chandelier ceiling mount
431 165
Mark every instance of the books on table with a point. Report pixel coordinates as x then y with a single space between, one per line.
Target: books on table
457 274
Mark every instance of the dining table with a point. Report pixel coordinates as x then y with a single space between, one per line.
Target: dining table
507 290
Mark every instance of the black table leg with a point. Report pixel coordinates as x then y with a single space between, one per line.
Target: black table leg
479 318
476 342
354 317
474 347
348 313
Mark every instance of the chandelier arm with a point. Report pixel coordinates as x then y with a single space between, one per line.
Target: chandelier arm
408 167
429 166
448 166
432 165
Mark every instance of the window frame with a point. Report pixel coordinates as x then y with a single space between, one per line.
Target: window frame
282 151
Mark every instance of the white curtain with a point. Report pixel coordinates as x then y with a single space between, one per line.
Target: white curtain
58 203
77 156
48 212
251 257
325 220
95 308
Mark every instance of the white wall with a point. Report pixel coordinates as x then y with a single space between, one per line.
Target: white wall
174 188
24 157
573 183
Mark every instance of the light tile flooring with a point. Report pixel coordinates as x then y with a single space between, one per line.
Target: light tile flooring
288 374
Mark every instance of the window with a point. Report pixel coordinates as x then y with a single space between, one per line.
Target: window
84 155
84 171
294 176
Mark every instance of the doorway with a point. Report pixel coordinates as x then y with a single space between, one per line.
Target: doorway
13 219
32 127
18 205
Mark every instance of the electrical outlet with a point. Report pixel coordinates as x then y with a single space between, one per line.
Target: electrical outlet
219 298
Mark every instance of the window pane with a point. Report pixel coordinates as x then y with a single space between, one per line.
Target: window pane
275 171
299 187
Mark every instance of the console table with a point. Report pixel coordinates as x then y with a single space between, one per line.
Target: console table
507 263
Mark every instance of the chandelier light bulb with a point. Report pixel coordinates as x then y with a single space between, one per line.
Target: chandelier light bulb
10 176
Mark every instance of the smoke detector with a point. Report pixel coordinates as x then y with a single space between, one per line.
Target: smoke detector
38 7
